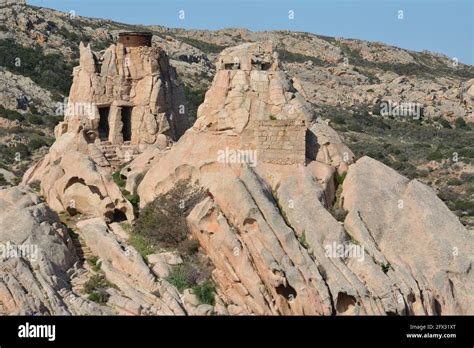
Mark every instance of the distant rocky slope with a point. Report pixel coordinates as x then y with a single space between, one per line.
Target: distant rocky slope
334 71
278 200
346 81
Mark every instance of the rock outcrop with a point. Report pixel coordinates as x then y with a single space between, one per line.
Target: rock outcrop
124 267
424 243
126 87
121 102
40 270
72 182
17 91
267 227
37 253
249 86
268 221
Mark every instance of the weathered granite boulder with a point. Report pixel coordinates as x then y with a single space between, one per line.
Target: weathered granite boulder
421 239
36 254
72 182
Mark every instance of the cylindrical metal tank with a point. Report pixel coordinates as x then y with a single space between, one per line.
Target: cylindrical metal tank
135 39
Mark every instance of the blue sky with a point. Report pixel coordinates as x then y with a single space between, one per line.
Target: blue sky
445 26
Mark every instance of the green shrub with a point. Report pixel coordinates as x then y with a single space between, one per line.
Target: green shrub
194 98
386 267
94 263
206 47
51 120
445 123
467 152
340 178
339 119
20 148
11 115
50 71
183 276
119 179
435 156
142 244
35 119
355 128
302 240
37 143
189 247
460 123
16 130
35 185
205 293
96 288
134 199
164 219
454 182
3 181
463 205
292 57
98 296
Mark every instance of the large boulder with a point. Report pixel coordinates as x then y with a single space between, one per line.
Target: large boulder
36 251
72 182
326 146
421 239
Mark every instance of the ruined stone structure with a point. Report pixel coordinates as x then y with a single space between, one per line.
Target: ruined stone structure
125 99
251 97
281 141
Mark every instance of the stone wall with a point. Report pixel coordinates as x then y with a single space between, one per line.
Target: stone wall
281 141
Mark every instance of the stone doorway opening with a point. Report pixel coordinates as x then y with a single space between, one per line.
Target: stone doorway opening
127 123
104 123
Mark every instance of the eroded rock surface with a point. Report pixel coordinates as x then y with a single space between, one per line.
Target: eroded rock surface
268 222
423 241
268 231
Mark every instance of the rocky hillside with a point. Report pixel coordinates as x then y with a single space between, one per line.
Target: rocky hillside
345 81
293 192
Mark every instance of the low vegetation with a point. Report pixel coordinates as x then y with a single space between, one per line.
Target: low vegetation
96 288
50 71
164 220
142 244
409 146
206 47
194 98
292 57
205 292
120 180
183 276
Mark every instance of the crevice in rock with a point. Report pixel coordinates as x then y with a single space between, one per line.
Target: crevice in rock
437 307
287 291
323 273
344 302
